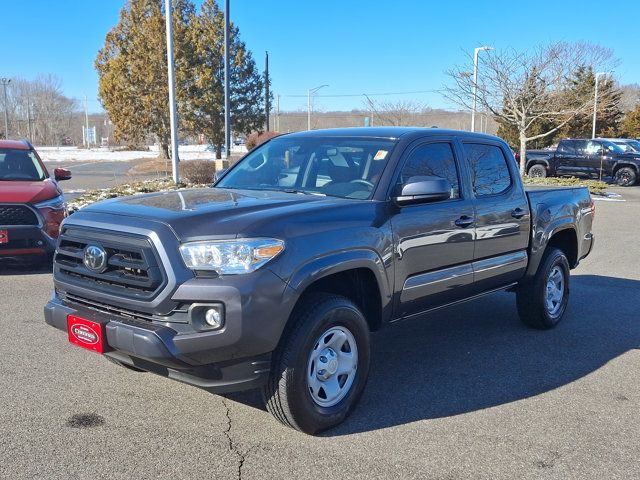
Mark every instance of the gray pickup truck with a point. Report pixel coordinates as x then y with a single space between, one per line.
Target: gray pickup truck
275 277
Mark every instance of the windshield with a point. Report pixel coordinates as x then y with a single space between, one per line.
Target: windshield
340 166
612 147
20 165
630 146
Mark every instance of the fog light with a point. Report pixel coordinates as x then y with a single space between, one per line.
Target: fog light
207 316
213 317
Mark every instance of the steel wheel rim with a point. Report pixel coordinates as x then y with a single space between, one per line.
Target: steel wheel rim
554 291
624 178
536 173
332 366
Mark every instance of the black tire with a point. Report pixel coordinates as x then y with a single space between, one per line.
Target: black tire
531 295
288 395
537 171
625 177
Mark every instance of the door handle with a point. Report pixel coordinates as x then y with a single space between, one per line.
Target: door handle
518 213
464 221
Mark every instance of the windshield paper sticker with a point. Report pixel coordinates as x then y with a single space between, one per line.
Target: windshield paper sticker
381 155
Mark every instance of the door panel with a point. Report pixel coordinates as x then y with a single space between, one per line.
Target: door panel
502 217
433 252
428 244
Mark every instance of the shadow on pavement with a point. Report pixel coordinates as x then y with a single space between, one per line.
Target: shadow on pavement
478 355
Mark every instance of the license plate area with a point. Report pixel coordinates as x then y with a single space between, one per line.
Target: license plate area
87 334
4 236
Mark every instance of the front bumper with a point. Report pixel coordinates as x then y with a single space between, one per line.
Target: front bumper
31 240
236 357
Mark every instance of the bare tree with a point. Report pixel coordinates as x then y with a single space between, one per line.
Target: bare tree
400 113
521 89
39 111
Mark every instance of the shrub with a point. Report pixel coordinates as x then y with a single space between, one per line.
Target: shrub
258 138
596 187
199 172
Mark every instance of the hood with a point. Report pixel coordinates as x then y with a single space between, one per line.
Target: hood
28 192
222 212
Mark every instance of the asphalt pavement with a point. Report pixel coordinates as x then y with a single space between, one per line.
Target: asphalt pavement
468 393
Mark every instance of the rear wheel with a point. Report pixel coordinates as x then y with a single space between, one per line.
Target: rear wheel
321 367
537 171
542 300
625 176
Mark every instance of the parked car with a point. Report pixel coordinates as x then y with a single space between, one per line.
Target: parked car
32 206
592 158
212 148
627 144
276 277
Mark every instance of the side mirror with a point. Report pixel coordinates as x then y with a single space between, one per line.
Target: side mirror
423 189
61 174
219 174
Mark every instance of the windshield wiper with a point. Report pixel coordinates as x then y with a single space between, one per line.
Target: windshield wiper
302 192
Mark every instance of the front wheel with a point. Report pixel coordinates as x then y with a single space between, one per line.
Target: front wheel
537 171
321 367
543 300
625 177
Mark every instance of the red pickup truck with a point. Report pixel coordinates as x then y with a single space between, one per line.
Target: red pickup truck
31 202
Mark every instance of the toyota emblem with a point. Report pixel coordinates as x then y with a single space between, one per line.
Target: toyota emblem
95 258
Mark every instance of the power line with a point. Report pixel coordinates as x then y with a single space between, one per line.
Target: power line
366 94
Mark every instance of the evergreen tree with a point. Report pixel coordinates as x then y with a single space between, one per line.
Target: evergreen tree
205 107
132 69
580 90
631 124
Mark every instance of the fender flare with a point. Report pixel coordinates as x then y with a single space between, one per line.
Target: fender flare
342 261
540 242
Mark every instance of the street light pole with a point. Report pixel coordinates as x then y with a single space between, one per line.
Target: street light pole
5 82
311 91
173 120
475 84
227 88
595 105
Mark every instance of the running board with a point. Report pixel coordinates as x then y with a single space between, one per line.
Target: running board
457 302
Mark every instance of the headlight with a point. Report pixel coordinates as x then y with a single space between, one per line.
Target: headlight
230 256
55 203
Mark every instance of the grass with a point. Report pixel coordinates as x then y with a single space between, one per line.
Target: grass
596 187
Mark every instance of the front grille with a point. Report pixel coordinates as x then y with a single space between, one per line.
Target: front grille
132 269
177 315
17 215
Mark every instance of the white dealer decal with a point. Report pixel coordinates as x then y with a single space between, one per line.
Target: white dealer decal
84 334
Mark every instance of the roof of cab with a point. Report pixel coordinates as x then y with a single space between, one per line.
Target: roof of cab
382 132
15 144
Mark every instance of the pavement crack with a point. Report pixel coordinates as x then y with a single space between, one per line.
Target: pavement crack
233 446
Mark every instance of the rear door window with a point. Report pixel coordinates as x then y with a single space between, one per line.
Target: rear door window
488 168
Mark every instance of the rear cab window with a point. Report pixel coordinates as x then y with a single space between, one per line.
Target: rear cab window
488 169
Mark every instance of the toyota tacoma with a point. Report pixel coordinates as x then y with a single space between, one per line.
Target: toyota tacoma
276 276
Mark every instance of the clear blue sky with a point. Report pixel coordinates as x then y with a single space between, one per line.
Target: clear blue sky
355 46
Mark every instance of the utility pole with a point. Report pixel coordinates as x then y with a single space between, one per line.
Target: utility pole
5 82
86 122
175 161
29 117
475 84
278 113
267 107
173 120
227 91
